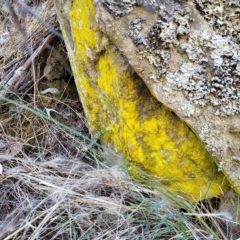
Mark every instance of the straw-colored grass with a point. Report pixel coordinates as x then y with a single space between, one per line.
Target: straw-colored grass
57 183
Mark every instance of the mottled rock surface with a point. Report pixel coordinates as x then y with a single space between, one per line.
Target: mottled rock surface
188 54
117 102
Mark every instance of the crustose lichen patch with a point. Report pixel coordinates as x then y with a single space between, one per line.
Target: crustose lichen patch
210 71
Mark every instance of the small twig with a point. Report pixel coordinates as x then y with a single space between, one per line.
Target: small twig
10 64
34 81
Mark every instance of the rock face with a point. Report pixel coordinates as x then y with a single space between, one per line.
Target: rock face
188 54
128 58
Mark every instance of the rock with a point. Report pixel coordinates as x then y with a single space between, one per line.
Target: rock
122 93
188 54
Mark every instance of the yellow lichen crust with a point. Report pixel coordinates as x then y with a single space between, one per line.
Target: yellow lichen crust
136 125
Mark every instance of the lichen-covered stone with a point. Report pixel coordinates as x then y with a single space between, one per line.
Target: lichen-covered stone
207 50
117 101
188 54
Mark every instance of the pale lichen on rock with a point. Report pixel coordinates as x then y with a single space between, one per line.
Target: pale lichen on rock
188 55
209 74
119 8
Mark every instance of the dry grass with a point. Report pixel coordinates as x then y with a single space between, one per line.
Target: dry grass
69 191
56 182
69 199
58 185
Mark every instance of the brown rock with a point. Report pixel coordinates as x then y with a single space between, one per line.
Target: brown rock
188 55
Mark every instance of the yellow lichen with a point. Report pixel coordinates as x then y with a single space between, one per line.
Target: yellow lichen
138 126
84 24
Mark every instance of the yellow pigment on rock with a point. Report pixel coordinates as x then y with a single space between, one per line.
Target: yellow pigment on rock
137 126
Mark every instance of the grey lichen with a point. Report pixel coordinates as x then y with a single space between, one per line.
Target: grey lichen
210 72
222 89
134 32
119 8
222 15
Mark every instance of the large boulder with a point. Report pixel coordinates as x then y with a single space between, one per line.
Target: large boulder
188 54
127 94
